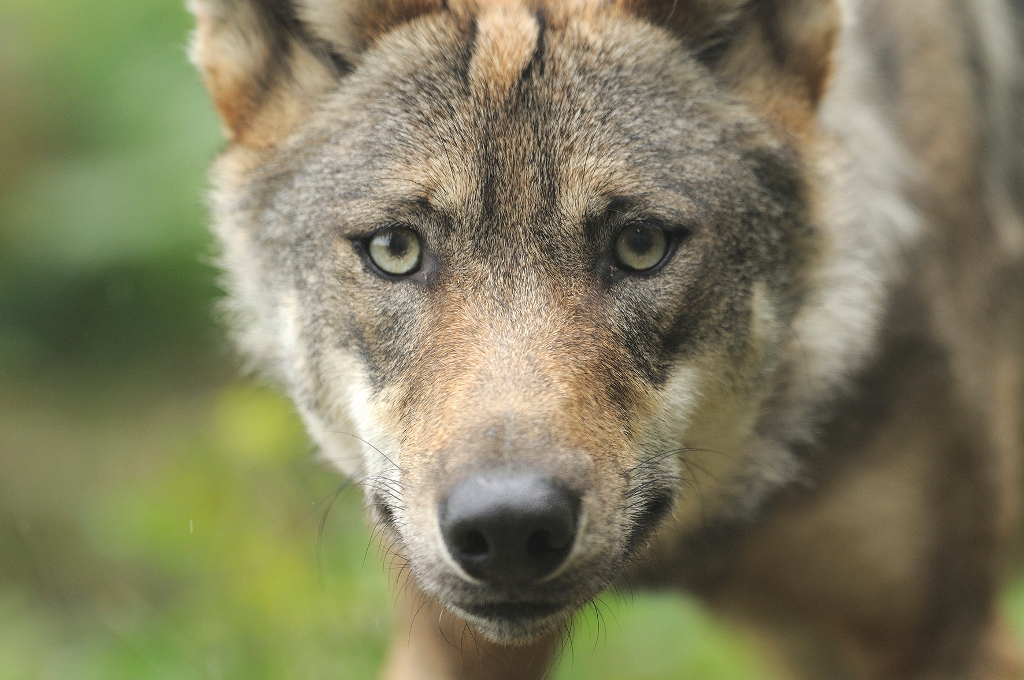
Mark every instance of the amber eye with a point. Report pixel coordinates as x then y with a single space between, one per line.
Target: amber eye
640 247
396 251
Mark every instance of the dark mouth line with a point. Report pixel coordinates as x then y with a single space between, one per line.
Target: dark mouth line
513 610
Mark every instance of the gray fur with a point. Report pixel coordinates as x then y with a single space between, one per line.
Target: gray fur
811 242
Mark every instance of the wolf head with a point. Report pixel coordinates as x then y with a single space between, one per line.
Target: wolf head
529 270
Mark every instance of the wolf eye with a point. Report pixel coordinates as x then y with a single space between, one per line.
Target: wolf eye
396 251
640 247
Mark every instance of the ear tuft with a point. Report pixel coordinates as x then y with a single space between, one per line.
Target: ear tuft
351 25
701 23
768 46
258 63
264 61
804 36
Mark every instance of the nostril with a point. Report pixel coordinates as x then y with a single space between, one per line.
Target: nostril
472 544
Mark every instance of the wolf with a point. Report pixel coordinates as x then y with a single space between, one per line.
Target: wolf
724 296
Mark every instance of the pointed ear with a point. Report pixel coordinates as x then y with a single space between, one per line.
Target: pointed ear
259 64
265 61
763 46
351 25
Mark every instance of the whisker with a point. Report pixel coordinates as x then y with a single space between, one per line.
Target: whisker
323 523
412 621
696 486
656 458
396 466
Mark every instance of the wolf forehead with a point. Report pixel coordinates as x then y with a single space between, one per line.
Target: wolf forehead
514 120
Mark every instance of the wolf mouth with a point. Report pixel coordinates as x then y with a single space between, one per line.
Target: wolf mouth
514 611
515 622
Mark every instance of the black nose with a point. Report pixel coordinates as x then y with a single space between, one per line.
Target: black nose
509 528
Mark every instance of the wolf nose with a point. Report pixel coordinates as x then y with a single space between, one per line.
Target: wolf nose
509 528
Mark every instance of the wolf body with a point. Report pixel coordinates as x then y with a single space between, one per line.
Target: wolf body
807 411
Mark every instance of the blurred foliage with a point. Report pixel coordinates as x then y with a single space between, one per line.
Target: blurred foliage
159 519
104 139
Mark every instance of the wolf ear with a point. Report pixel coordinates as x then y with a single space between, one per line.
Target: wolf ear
263 61
258 63
766 46
351 25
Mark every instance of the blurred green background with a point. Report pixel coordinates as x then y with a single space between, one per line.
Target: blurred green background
159 516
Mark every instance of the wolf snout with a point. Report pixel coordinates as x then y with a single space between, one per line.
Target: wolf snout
509 528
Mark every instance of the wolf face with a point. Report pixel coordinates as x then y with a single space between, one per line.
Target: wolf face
532 273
